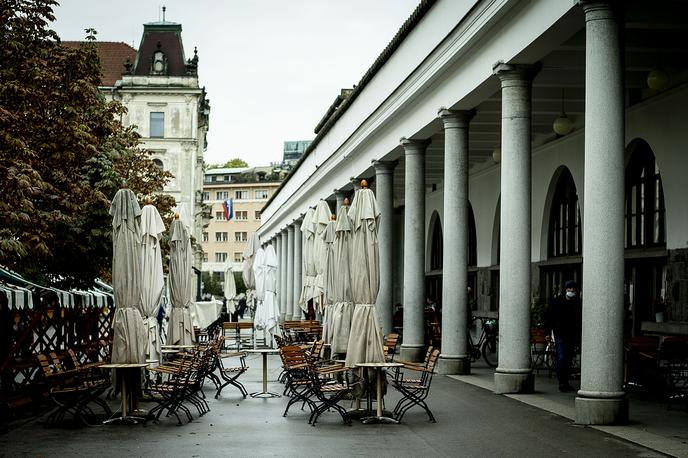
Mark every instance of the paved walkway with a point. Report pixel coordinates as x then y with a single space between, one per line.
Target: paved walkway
472 421
652 424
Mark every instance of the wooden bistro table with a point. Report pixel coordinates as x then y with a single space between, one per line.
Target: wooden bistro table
123 371
265 352
379 418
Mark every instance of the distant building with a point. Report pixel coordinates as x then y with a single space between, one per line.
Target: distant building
293 150
247 188
159 87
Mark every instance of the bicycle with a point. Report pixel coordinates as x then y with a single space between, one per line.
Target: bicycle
487 345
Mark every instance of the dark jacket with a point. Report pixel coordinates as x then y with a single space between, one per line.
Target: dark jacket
564 317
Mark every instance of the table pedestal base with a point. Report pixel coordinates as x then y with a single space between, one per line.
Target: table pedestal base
265 394
380 419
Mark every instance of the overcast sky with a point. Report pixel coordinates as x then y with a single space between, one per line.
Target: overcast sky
271 67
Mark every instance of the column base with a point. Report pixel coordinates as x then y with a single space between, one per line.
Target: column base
283 317
412 352
287 318
453 365
600 411
512 383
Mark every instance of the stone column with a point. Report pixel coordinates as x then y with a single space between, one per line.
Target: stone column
514 374
283 274
413 346
384 171
290 273
298 278
455 358
280 267
339 196
601 399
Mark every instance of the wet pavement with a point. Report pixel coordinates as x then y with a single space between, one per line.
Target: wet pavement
471 421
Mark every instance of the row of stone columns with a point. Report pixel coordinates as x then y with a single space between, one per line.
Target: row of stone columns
601 399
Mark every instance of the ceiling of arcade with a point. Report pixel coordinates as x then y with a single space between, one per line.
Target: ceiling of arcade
655 38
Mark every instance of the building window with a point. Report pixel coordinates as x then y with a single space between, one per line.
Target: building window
157 124
237 256
645 211
205 236
159 164
221 195
261 193
206 196
565 238
257 214
220 257
241 215
220 216
205 257
241 195
436 251
221 237
240 236
227 178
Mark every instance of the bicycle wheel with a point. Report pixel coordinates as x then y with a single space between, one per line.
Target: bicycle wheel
489 351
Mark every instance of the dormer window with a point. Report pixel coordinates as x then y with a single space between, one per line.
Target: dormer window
159 66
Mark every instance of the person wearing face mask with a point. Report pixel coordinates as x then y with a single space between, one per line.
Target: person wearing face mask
563 320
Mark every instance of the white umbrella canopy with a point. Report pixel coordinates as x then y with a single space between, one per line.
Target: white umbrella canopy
151 276
343 307
180 329
321 219
267 315
329 236
365 338
229 290
308 261
129 334
248 255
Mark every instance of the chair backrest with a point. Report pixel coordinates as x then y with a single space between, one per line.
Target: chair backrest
432 360
293 355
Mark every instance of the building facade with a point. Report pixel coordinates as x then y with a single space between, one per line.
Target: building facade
541 141
160 88
247 189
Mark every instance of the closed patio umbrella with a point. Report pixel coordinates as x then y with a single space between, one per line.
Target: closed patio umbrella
151 276
259 276
308 261
247 266
180 329
329 275
365 338
343 306
321 219
129 334
271 313
229 290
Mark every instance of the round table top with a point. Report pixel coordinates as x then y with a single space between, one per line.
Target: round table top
263 350
382 364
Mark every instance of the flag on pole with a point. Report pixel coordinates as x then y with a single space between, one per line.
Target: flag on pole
228 206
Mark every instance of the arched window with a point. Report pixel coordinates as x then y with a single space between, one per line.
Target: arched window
159 163
565 236
437 246
645 212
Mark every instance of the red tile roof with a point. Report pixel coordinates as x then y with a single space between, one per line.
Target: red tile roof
112 58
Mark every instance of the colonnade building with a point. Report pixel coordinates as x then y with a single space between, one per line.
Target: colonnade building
513 145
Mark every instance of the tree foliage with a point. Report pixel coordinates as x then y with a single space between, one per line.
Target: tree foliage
230 164
63 153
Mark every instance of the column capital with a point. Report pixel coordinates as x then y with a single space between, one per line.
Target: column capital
414 146
337 192
356 182
384 167
455 118
290 227
597 9
508 72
